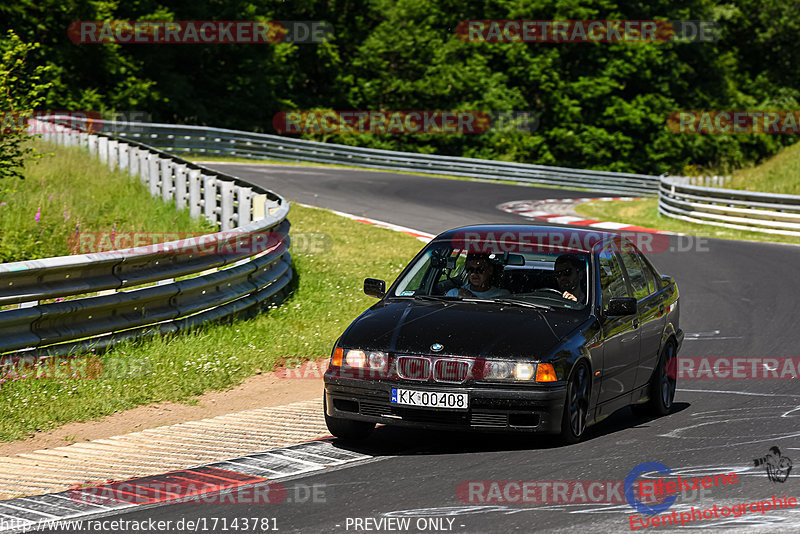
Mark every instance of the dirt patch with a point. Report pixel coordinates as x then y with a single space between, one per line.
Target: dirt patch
268 389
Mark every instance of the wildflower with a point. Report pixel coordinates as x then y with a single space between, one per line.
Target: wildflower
2 203
51 197
38 214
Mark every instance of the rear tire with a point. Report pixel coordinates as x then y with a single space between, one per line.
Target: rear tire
576 405
663 383
346 429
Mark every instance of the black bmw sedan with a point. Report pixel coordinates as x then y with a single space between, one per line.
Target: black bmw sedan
509 328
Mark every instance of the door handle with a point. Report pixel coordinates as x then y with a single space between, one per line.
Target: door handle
636 323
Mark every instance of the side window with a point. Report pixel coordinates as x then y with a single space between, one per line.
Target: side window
414 279
612 282
635 273
651 278
455 266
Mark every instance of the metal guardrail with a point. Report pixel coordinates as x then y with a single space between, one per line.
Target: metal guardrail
730 208
222 142
241 268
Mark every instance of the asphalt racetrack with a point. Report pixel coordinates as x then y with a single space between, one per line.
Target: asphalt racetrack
738 299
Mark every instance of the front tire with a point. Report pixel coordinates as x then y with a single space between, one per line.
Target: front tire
346 429
576 405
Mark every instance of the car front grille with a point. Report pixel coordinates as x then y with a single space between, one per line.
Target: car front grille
455 371
424 368
413 368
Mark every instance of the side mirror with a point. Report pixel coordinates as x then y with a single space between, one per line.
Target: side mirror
621 306
374 287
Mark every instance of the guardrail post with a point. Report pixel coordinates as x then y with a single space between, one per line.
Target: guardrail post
92 144
123 150
113 154
243 195
154 179
259 207
226 192
272 205
166 179
83 140
194 193
210 199
180 186
102 149
144 167
133 161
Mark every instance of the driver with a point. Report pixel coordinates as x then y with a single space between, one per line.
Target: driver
480 270
569 271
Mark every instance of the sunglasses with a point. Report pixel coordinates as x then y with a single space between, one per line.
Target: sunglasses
565 272
476 270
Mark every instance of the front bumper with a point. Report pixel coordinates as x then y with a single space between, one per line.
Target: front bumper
491 409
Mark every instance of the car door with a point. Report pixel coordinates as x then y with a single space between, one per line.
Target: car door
651 304
620 334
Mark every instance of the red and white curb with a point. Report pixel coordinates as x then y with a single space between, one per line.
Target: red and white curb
552 210
561 211
249 480
422 236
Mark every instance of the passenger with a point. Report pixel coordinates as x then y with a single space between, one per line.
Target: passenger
570 275
480 271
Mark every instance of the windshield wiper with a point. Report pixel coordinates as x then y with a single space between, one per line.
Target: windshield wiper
435 297
523 303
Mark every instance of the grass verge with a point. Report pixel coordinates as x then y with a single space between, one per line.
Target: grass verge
644 212
776 175
66 193
328 297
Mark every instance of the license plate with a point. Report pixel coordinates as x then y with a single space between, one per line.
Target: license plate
430 399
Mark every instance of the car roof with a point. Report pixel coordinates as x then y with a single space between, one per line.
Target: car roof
556 235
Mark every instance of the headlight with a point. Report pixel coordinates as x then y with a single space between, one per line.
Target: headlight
360 359
355 358
378 360
523 371
511 371
498 370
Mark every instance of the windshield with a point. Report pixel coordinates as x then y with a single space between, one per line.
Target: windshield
547 278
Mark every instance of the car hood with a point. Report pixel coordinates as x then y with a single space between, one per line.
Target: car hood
472 329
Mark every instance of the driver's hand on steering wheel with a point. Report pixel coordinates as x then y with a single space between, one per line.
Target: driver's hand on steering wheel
570 296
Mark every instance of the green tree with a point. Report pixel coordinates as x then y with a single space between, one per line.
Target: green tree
22 89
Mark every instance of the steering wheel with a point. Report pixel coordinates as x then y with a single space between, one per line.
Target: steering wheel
543 289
